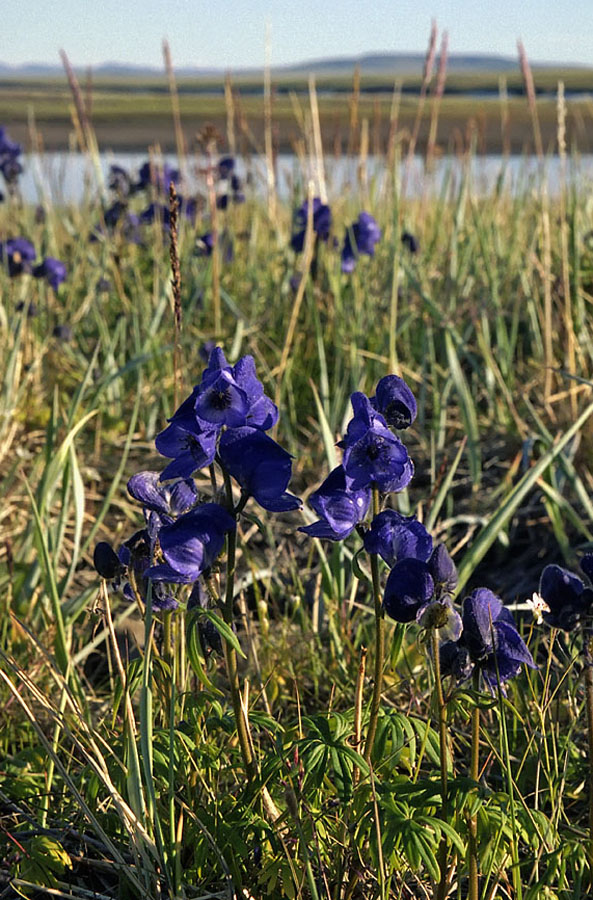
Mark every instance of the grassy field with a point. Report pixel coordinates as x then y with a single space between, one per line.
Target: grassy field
137 762
131 114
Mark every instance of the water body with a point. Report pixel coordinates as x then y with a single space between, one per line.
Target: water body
71 178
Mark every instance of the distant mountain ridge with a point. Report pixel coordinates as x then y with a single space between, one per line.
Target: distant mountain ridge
396 63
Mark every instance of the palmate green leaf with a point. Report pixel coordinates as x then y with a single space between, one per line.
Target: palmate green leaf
45 862
509 506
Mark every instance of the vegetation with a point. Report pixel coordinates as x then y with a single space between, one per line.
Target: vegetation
136 761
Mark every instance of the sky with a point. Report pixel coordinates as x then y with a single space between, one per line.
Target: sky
230 34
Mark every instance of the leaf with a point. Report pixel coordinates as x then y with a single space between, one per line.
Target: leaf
223 629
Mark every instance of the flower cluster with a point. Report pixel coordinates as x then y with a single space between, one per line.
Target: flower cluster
18 256
422 578
230 188
373 455
224 421
361 237
489 642
10 165
322 220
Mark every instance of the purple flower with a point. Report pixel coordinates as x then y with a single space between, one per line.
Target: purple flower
171 499
322 220
205 246
191 544
190 444
226 166
443 571
53 270
18 254
106 561
63 333
159 176
490 638
9 152
372 453
119 180
395 401
394 537
339 508
410 242
568 599
361 237
408 590
260 465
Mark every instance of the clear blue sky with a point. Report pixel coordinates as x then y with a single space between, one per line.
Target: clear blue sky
230 33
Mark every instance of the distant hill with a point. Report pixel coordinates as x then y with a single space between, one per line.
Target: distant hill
371 63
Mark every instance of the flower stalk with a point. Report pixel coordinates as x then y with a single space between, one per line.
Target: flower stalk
443 742
379 642
472 847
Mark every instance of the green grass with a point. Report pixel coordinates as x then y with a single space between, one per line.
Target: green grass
124 775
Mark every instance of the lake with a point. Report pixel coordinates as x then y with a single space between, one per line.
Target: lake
67 178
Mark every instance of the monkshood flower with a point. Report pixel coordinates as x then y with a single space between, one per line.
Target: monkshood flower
53 270
191 544
205 246
395 401
130 564
371 452
340 509
161 503
569 601
227 396
226 166
159 176
361 237
490 641
10 150
410 242
418 590
322 220
260 466
18 255
190 445
394 537
119 180
231 189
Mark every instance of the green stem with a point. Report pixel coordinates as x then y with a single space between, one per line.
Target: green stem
589 690
472 847
442 719
379 643
230 654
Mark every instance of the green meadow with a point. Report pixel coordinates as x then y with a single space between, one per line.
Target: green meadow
136 761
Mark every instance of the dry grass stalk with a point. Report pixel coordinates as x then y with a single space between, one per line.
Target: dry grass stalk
179 139
82 123
176 286
229 102
530 91
571 341
438 96
317 144
354 104
503 96
426 79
